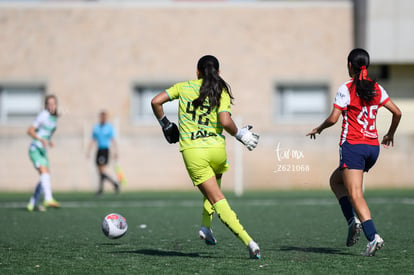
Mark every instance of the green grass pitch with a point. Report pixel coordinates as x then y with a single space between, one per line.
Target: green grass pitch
299 232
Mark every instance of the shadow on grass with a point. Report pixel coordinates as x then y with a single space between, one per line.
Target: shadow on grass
321 250
162 253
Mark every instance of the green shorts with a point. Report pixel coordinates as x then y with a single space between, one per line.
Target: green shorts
38 157
205 163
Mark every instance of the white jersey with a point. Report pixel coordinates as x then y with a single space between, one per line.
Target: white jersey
45 125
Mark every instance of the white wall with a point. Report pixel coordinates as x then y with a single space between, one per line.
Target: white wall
389 30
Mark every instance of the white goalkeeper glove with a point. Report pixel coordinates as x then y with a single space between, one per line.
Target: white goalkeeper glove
249 139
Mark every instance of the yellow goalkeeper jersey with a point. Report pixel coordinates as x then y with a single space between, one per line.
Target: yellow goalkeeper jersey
198 127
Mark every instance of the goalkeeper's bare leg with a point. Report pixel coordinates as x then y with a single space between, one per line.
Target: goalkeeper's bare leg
206 233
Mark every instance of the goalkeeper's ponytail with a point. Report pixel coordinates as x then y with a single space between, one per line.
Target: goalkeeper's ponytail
213 85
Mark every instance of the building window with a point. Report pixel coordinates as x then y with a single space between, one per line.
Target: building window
20 104
297 103
141 103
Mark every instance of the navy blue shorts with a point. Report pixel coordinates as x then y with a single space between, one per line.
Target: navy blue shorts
358 156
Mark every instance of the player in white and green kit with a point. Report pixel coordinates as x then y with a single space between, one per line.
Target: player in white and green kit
204 111
41 132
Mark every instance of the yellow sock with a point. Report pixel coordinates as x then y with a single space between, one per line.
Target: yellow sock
229 218
208 212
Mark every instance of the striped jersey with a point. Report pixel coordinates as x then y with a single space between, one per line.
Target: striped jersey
359 118
199 127
45 125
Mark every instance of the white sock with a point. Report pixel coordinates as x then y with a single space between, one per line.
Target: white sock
47 189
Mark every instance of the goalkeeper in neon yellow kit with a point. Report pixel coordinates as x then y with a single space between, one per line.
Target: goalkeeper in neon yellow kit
204 111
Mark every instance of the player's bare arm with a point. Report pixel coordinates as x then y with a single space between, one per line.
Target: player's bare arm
388 139
91 145
244 135
157 102
228 123
169 128
32 133
331 120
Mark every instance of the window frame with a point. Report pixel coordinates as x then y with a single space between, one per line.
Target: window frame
145 116
278 114
10 118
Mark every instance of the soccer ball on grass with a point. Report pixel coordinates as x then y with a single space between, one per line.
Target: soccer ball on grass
114 226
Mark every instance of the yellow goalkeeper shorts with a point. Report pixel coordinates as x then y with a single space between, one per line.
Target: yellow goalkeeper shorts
205 163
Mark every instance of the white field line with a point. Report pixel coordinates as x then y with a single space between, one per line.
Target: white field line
198 203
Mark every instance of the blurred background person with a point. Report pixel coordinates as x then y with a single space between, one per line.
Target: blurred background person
41 132
103 137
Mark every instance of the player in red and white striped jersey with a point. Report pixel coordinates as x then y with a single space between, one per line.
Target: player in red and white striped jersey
358 100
